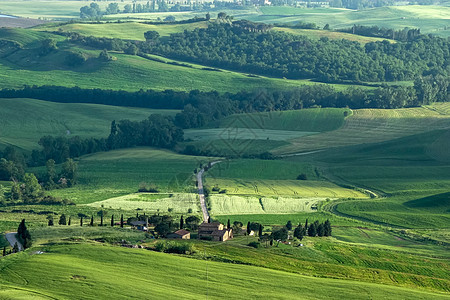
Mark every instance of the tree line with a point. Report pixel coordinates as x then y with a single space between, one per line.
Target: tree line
405 34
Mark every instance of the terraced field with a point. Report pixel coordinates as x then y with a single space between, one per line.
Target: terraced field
24 121
372 126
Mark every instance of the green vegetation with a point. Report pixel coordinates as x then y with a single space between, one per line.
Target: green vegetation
126 31
25 121
92 264
429 18
101 175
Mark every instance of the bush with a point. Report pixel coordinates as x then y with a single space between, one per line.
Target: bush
302 177
254 244
174 247
75 59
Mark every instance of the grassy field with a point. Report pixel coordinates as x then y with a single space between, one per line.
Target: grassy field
117 173
334 35
93 268
126 31
26 67
24 121
429 18
374 125
179 203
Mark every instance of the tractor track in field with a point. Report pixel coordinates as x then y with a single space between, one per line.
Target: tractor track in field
201 191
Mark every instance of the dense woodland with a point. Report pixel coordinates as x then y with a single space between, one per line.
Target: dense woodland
250 47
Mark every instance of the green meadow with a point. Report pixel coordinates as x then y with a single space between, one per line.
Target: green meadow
429 18
24 121
94 273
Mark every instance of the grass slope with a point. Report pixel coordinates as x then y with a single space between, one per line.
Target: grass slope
126 31
116 173
94 273
429 18
374 125
24 121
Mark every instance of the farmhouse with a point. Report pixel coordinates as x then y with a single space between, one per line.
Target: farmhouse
214 231
140 225
180 234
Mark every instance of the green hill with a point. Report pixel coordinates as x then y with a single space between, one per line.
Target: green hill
80 271
24 121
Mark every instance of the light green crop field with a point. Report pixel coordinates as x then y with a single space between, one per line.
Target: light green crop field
225 204
287 188
236 133
305 120
374 125
126 31
334 35
429 18
117 173
178 203
24 121
49 9
94 273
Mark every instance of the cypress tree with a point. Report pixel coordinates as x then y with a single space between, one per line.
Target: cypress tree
320 230
209 219
289 225
92 221
62 220
112 221
306 224
81 221
248 228
228 224
260 230
4 251
50 222
101 220
181 222
121 221
327 226
312 231
70 221
298 232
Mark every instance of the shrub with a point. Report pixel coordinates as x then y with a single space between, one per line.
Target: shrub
302 177
254 244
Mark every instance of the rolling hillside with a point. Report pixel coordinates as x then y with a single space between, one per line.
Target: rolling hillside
24 121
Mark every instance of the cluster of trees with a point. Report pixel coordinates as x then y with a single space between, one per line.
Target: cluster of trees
273 53
405 34
93 11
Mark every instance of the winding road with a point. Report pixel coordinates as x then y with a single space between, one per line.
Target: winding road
11 237
201 192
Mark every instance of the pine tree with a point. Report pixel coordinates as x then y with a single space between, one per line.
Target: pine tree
121 221
181 222
112 221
